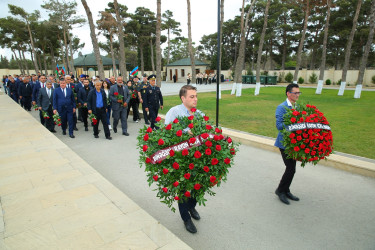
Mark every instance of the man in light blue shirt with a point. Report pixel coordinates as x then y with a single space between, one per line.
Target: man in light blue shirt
189 98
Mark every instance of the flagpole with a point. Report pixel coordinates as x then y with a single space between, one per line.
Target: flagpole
218 63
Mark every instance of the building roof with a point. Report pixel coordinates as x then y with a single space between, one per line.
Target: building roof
90 60
187 62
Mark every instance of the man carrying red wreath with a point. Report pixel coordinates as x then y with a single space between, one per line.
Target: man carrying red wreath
189 98
292 92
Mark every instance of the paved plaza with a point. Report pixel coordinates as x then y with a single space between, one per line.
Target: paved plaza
336 210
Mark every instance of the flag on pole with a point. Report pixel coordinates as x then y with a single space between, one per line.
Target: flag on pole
134 71
57 70
63 70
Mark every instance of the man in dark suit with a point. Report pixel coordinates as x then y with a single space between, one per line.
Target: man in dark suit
119 107
40 84
283 191
12 85
82 100
72 86
153 99
25 93
97 105
78 86
64 103
45 101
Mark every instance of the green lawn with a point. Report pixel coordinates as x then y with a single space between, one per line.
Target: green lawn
351 119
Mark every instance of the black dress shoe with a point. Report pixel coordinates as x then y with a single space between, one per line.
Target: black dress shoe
75 129
125 133
109 138
53 131
115 130
147 123
86 129
64 132
96 136
291 196
282 197
194 214
189 225
72 136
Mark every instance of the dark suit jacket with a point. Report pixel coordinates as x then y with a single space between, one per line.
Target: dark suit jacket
91 100
36 89
82 96
26 91
43 100
60 101
113 90
280 111
153 98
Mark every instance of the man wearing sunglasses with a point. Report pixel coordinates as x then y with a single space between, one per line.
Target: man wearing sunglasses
283 191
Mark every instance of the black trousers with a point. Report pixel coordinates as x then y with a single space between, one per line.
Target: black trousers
42 121
288 175
50 124
84 113
133 104
153 114
145 114
26 102
101 115
184 208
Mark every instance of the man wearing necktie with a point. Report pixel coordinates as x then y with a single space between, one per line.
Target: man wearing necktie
153 99
25 93
283 191
120 107
37 87
64 103
45 101
71 85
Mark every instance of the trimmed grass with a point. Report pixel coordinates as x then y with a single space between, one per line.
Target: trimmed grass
351 119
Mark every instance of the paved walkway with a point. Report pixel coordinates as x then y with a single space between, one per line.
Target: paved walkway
336 211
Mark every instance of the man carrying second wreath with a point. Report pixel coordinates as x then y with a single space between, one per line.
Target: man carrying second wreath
189 98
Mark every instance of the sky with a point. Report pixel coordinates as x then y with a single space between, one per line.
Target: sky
203 16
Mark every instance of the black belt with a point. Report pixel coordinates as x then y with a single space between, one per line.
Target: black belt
99 108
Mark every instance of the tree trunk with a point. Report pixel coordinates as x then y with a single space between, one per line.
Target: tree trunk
152 56
241 53
284 47
260 49
191 52
324 52
39 62
112 55
71 53
32 47
368 45
26 63
348 48
158 50
307 12
94 39
45 63
221 29
168 49
67 62
122 65
53 60
142 62
19 61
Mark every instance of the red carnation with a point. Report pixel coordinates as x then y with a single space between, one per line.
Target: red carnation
221 136
148 160
232 151
229 140
293 119
155 177
212 179
165 171
204 135
218 147
302 146
171 153
185 152
299 138
214 161
191 166
226 160
165 190
192 140
175 165
197 154
208 144
216 137
175 120
217 130
193 109
208 127
160 142
115 94
179 133
295 113
145 138
296 148
168 127
293 141
191 117
208 151
191 125
59 124
175 184
292 135
158 119
145 147
187 176
149 130
197 186
206 169
307 150
206 118
304 112
187 194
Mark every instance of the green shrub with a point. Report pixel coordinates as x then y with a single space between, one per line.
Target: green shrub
339 82
373 79
281 77
289 77
300 80
328 82
264 73
313 78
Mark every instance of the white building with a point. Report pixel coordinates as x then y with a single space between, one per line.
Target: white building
182 67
